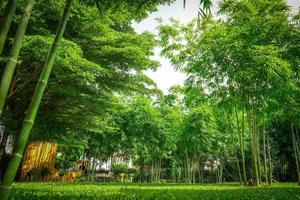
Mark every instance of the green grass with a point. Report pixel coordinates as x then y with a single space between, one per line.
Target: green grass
66 191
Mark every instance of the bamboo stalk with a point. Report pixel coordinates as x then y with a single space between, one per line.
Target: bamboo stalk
243 142
258 152
297 142
240 140
33 108
255 150
296 153
199 169
270 175
2 6
236 154
6 21
13 55
265 155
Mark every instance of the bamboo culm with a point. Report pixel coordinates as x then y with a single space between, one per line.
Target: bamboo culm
6 21
14 54
296 153
244 175
236 153
265 155
2 6
270 174
21 141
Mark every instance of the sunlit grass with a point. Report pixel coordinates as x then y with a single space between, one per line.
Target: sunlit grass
116 191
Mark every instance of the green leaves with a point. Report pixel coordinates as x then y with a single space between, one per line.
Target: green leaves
100 58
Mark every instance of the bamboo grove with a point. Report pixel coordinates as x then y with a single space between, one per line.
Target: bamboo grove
78 79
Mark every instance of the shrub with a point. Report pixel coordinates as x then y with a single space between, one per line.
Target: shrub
101 170
131 171
163 181
82 179
45 171
38 172
61 172
88 191
119 168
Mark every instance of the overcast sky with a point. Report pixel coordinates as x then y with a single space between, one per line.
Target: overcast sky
165 77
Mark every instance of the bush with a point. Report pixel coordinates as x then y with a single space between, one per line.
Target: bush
163 181
119 168
38 172
101 170
82 179
72 191
45 171
61 172
131 171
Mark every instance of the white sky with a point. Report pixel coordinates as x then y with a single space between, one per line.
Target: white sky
166 77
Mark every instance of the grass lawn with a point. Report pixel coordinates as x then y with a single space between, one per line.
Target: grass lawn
66 191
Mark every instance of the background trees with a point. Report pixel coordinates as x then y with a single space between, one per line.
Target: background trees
241 60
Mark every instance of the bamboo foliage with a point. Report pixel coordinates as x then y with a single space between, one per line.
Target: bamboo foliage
14 53
6 21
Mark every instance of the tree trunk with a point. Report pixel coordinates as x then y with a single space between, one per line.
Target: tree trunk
257 142
243 146
258 156
14 53
233 142
221 172
251 124
269 161
199 170
238 168
142 170
3 143
83 163
188 169
6 21
254 140
13 164
159 168
265 155
297 142
296 154
92 175
217 174
2 153
3 4
241 139
152 170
